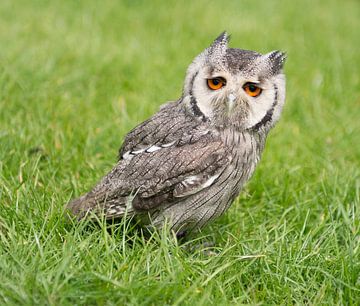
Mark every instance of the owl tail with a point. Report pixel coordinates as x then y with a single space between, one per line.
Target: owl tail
79 207
99 204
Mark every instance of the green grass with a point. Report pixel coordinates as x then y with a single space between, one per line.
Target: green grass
76 76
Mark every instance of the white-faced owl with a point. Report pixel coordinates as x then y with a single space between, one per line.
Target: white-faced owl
187 163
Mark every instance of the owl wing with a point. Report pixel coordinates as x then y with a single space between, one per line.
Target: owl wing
162 175
162 161
173 173
170 124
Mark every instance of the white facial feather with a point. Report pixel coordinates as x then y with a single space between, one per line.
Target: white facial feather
237 67
203 95
233 93
280 83
231 101
274 89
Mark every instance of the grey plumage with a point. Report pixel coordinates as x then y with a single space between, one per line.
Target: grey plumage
189 161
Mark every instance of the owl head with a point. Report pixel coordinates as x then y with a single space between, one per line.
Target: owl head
235 88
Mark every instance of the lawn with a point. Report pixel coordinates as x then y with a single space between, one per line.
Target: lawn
76 76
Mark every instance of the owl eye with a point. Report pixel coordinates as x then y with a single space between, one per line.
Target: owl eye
252 89
216 83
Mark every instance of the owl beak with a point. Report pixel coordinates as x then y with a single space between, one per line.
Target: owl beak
231 101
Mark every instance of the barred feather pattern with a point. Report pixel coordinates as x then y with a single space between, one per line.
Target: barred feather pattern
189 180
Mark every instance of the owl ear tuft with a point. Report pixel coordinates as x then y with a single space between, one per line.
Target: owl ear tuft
276 60
223 40
218 48
220 43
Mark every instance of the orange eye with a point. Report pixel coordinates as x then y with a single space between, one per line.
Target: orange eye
216 83
252 90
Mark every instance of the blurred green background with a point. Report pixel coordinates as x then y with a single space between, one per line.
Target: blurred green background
76 76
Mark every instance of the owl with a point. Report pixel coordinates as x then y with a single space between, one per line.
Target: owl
186 164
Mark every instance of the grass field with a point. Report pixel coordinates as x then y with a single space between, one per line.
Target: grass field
76 76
